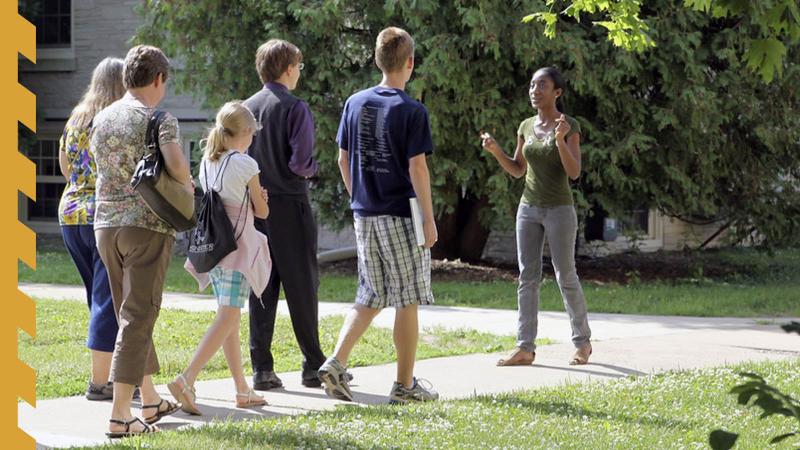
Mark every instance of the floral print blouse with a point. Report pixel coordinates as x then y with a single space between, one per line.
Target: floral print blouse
118 138
77 200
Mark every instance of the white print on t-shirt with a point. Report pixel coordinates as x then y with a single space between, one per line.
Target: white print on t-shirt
375 156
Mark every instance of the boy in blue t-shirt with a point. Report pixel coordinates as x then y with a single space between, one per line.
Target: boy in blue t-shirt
384 137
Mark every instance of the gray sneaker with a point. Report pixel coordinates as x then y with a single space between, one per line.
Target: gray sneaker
400 394
332 375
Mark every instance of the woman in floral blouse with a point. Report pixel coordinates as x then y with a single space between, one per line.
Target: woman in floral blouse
76 217
135 245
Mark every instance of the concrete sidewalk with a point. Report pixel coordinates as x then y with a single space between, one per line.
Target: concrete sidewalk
623 345
76 421
552 325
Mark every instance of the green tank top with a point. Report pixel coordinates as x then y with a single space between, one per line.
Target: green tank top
546 182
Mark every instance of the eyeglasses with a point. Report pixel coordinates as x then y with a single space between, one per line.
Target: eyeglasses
300 66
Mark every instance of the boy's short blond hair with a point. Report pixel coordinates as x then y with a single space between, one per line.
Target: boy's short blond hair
274 57
392 49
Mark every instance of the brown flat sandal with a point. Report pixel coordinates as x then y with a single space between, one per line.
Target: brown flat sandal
518 357
185 394
161 413
581 355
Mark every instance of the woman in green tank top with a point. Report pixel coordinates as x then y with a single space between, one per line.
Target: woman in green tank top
548 151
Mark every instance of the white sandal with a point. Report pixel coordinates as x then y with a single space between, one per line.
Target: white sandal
186 395
252 399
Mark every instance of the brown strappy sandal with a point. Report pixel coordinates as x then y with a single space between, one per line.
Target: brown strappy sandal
518 357
147 429
171 409
581 355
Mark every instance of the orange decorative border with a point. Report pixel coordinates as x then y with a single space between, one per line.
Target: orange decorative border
17 36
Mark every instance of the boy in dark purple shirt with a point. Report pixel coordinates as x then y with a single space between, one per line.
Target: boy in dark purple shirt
284 150
384 139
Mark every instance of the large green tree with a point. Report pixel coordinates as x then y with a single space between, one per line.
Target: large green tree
770 25
683 128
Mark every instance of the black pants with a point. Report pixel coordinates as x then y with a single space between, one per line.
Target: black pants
292 233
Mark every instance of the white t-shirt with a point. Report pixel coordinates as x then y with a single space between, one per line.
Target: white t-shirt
232 184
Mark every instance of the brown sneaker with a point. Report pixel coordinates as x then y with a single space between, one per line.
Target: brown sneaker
581 355
519 357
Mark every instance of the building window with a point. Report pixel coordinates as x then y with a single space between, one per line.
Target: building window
635 222
53 20
195 158
45 208
49 181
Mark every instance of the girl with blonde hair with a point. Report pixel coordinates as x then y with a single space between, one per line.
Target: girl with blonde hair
76 218
228 170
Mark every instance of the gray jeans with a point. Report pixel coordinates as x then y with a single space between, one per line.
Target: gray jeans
559 224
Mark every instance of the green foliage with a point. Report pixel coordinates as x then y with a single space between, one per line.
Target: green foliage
722 440
765 55
684 128
766 24
625 28
772 402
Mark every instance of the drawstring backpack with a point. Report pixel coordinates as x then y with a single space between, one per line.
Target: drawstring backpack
213 237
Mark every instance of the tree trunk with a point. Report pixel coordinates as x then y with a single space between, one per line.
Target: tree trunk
461 235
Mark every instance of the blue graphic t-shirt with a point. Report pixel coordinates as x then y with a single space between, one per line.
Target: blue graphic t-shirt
382 128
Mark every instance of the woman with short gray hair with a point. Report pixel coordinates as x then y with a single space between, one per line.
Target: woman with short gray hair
134 243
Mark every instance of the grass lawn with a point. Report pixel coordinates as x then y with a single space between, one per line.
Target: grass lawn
675 410
762 285
62 361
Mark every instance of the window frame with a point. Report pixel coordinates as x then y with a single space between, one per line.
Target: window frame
652 240
42 224
54 59
59 15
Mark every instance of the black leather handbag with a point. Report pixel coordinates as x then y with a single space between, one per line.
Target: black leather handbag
213 238
164 195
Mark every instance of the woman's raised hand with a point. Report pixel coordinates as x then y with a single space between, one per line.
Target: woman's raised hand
562 127
489 144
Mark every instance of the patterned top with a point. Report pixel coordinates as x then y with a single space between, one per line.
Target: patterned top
77 201
118 144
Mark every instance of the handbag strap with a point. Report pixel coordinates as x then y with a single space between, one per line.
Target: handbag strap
153 128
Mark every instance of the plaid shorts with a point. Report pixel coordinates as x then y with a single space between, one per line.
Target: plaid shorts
230 287
392 269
